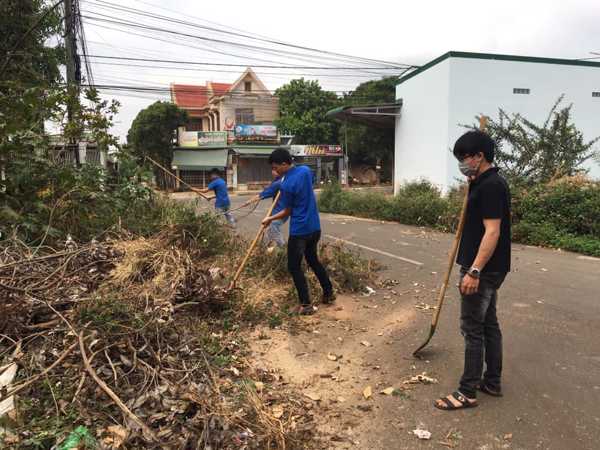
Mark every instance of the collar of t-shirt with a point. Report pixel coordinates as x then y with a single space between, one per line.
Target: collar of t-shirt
484 175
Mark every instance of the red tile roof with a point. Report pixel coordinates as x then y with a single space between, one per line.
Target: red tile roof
219 88
189 95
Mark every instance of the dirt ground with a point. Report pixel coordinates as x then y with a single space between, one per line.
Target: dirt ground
550 317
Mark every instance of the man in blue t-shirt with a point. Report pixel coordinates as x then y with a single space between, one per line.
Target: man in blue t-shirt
298 202
222 203
274 233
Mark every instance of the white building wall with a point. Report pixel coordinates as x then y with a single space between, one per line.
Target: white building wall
439 100
481 86
422 128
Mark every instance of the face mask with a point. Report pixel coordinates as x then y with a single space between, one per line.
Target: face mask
467 170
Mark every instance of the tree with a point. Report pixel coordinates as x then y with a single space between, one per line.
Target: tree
29 72
528 153
370 145
302 108
35 188
152 133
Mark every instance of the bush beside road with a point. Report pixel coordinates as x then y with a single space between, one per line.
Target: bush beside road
563 213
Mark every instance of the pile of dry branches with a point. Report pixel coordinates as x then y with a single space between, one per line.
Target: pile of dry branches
125 338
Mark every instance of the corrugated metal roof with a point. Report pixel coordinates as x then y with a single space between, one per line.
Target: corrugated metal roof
200 159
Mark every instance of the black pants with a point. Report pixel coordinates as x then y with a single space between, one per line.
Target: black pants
306 246
481 330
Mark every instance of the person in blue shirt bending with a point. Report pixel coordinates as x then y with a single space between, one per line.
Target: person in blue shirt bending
274 233
222 203
299 203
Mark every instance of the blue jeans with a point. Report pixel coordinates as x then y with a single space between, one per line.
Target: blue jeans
225 211
274 233
481 330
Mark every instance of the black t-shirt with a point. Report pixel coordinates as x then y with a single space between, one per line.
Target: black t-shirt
489 198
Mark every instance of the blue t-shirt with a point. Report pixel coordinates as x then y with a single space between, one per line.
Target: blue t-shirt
297 193
220 187
270 192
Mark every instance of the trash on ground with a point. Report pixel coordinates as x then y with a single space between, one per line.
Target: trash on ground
422 378
369 291
422 434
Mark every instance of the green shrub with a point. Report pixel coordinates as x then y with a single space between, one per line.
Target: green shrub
564 213
571 205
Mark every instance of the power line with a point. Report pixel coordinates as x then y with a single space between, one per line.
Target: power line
245 46
266 40
236 65
186 44
232 71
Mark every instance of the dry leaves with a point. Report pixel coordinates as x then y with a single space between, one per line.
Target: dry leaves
313 396
367 392
387 391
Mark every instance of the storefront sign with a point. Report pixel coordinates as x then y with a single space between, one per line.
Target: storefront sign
256 132
188 139
202 139
212 138
316 150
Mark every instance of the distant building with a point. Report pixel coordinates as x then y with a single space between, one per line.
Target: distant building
231 127
221 106
85 152
443 95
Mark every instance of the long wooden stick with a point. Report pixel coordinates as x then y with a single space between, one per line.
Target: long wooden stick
164 169
253 245
483 120
451 262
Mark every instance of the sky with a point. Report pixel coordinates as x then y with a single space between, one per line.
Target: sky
402 32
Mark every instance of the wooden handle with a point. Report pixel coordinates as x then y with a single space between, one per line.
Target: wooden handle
451 259
254 242
193 189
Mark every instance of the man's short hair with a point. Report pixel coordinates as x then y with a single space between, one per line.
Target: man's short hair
473 142
215 171
280 156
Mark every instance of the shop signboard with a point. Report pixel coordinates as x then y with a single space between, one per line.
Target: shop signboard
212 139
202 139
254 133
188 139
316 150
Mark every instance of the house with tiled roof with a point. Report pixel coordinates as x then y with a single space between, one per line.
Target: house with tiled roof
230 127
220 106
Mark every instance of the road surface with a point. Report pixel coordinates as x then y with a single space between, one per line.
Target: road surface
549 310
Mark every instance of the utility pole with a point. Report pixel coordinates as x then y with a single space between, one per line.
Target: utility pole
73 67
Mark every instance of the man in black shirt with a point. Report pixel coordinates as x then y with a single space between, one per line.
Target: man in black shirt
484 257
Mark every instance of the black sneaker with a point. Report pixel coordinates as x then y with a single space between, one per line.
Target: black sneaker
328 299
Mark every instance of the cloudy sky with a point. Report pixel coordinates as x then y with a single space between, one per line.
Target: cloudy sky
402 32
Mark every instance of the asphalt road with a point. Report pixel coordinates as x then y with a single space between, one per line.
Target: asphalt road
549 310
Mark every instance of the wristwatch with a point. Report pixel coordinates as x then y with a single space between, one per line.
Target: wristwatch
474 272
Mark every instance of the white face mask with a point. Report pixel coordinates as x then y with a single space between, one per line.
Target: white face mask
467 170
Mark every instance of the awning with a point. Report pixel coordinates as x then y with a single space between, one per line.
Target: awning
379 116
262 150
199 159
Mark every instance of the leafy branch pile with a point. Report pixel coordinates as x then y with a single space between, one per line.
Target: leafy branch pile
126 338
